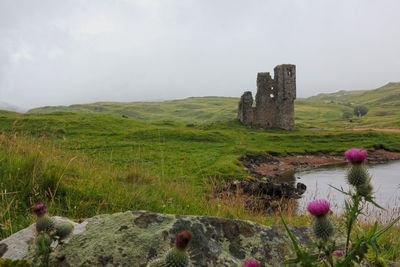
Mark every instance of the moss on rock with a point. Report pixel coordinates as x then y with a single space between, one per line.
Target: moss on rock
137 238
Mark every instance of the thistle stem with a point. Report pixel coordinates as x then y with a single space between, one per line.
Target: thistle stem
353 214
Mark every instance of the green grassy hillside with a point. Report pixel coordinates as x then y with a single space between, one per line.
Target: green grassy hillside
86 164
189 110
379 96
321 111
325 110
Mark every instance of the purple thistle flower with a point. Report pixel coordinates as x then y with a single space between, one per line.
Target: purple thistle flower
39 209
318 207
356 155
250 263
183 239
338 253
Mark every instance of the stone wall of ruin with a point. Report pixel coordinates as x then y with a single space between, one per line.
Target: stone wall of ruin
274 100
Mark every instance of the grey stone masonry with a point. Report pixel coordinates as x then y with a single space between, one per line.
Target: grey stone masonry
274 100
245 113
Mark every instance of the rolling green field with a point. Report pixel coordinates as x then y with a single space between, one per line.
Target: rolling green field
83 164
321 111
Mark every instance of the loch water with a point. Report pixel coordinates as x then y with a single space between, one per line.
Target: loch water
385 181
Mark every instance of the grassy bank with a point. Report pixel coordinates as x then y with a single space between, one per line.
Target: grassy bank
86 164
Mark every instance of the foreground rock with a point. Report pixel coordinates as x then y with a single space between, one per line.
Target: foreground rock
135 238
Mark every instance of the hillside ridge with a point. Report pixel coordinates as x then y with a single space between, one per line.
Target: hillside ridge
321 111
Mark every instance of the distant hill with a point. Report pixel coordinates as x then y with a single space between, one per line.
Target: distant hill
326 110
322 110
188 110
383 95
10 107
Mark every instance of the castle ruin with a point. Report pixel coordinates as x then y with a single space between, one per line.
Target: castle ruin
274 100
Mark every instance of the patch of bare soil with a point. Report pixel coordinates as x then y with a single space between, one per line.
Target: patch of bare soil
265 165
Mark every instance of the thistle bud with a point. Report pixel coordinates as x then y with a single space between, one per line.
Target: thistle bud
338 253
322 227
318 207
46 239
356 155
45 224
39 209
176 256
365 190
251 263
63 230
183 239
357 175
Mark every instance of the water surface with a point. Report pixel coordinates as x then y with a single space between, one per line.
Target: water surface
385 180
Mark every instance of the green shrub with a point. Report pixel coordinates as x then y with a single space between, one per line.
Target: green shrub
360 111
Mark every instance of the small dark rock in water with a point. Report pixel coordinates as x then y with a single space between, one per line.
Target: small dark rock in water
301 188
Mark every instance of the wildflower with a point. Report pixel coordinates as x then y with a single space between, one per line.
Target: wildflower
45 223
357 175
250 263
318 207
177 255
183 239
39 209
322 227
356 156
338 253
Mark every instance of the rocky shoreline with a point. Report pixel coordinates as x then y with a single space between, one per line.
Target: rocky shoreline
269 188
264 196
273 167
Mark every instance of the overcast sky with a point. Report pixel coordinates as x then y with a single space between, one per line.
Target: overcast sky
58 52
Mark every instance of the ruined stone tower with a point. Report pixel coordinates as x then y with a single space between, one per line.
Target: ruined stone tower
274 100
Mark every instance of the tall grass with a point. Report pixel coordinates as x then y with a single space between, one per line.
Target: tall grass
33 170
72 184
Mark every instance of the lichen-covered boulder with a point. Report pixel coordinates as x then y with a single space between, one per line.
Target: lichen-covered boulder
20 245
136 238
